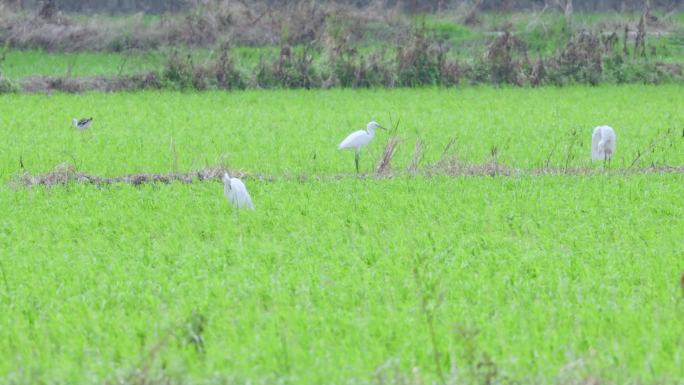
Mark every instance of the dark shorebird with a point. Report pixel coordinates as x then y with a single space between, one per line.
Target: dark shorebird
82 124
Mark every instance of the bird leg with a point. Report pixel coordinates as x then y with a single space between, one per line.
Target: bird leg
606 160
356 161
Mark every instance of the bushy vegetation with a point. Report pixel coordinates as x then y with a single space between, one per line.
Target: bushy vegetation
423 59
316 46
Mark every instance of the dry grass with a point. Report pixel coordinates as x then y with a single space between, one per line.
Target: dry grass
416 158
206 24
66 173
384 165
60 33
96 83
422 56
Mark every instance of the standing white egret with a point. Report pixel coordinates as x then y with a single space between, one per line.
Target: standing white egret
236 192
81 124
359 139
603 143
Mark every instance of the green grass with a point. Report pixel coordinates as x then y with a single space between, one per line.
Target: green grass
296 132
24 63
546 279
318 284
20 64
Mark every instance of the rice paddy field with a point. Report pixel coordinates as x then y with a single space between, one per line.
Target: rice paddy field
550 270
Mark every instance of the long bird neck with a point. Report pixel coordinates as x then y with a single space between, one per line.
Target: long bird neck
371 131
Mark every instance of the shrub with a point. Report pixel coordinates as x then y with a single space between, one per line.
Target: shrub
227 76
505 57
580 60
291 70
421 58
179 71
349 68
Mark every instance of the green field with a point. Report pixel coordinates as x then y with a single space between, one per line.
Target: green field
296 132
21 64
409 279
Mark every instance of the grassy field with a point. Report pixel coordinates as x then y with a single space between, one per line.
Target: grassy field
564 278
296 132
20 64
543 35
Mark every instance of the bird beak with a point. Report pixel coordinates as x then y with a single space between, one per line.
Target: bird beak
382 127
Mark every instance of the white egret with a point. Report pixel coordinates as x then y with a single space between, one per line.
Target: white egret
236 192
359 139
603 143
81 124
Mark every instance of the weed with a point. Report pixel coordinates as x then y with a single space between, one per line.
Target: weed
180 71
291 70
580 60
503 62
227 76
421 58
383 167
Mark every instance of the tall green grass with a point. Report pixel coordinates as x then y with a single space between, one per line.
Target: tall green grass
526 279
296 132
533 279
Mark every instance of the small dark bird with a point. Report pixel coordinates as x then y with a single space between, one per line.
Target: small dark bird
82 124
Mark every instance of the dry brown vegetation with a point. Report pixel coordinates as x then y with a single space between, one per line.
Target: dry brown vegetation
207 24
65 173
450 166
320 46
421 60
68 84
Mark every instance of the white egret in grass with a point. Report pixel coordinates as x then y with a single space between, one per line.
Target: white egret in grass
81 124
359 139
236 192
603 143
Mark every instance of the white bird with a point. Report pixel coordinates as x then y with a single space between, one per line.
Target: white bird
81 124
359 139
603 143
236 192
